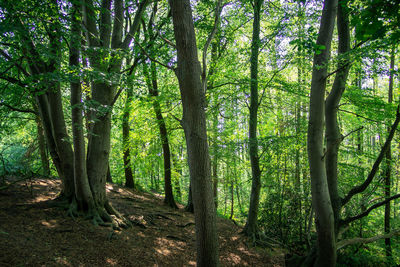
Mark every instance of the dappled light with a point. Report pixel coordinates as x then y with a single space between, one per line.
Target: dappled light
199 133
160 236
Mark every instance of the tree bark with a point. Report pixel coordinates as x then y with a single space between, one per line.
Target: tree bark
129 181
153 91
332 132
326 241
42 147
194 124
251 228
388 246
83 193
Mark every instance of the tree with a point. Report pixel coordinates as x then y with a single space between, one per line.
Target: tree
250 228
194 124
152 85
324 217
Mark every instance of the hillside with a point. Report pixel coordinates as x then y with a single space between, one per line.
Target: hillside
35 233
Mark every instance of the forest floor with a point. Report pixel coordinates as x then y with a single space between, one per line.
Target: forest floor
33 232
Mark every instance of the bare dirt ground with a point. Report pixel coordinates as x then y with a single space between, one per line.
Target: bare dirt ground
35 233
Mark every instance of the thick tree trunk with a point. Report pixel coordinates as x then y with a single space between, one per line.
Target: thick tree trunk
194 124
42 148
326 241
250 228
83 194
100 39
332 133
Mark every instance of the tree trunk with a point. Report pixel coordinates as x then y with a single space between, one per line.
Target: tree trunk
100 39
109 176
42 148
251 228
333 135
153 91
388 247
189 205
194 124
326 245
83 193
129 181
176 181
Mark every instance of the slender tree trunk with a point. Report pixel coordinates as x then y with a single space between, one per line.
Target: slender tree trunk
388 246
250 228
189 205
326 245
129 181
152 85
215 154
194 124
109 176
333 135
176 181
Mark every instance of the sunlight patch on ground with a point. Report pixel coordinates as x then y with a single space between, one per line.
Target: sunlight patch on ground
50 223
192 263
234 238
112 262
40 198
164 246
235 259
163 251
62 261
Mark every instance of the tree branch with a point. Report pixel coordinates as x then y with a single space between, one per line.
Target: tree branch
218 11
18 109
360 188
365 213
135 24
358 240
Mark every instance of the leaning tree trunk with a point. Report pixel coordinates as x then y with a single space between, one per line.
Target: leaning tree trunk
194 124
48 100
250 228
326 244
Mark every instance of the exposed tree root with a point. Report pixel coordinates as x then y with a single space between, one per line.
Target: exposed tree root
105 216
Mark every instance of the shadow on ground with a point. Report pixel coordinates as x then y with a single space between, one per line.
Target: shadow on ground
35 233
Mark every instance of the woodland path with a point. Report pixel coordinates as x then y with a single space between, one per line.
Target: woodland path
35 233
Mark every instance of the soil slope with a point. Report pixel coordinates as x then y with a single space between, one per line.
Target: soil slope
33 232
